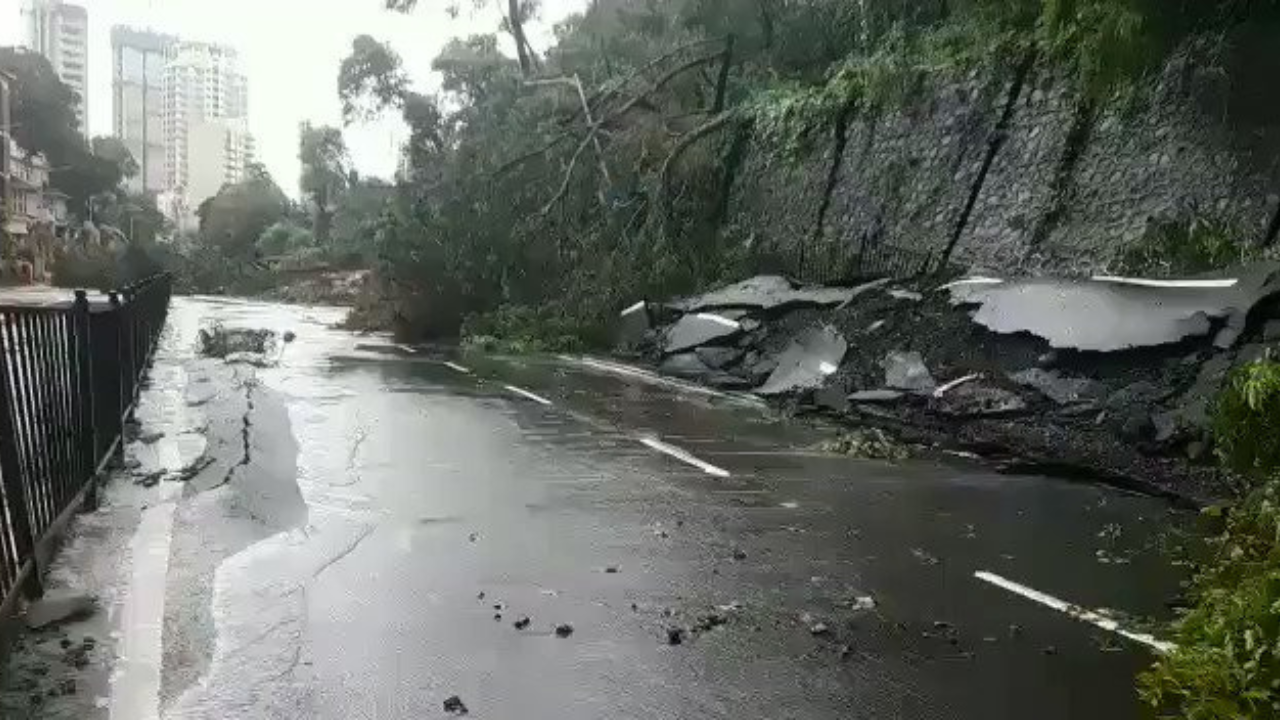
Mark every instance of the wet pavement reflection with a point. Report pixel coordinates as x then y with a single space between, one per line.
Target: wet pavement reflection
373 525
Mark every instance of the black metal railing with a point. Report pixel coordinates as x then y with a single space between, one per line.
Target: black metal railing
69 376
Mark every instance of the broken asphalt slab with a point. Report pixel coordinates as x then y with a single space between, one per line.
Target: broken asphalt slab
766 293
1106 314
807 362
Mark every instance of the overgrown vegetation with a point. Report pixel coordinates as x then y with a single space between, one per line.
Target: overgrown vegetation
593 172
1227 661
1182 247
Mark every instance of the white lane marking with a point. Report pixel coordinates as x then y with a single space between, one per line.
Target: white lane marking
634 308
655 379
720 319
1075 611
684 456
1147 282
135 683
407 349
526 393
456 366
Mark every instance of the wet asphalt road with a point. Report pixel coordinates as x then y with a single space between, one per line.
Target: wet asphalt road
373 524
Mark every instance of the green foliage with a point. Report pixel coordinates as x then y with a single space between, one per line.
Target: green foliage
1226 666
372 71
1227 661
1246 420
283 238
1181 247
323 155
232 221
522 329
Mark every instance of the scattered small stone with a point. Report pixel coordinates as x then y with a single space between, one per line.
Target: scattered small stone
65 643
679 523
522 622
1015 630
1050 650
612 570
634 607
564 630
497 617
710 621
499 606
666 612
819 629
941 625
923 556
675 635
67 687
845 652
480 595
739 554
455 706
472 537
288 336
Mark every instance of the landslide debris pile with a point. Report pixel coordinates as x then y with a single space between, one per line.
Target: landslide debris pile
1109 376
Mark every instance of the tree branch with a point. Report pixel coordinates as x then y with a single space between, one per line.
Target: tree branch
683 146
568 173
529 155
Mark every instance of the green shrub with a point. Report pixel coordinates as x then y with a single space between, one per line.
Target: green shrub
523 329
1225 666
1246 422
1227 661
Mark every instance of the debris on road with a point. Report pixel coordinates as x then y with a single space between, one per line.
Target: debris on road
907 371
807 363
675 635
611 570
522 622
564 630
219 341
454 705
819 628
867 443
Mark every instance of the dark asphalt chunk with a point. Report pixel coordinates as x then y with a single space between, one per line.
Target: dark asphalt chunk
454 705
522 622
564 630
1062 390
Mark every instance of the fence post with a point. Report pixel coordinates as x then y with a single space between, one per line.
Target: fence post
117 415
88 440
15 493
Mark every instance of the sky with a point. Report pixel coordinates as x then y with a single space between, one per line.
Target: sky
290 51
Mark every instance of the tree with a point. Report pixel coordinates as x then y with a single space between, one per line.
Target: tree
373 72
43 110
113 149
324 174
232 221
514 18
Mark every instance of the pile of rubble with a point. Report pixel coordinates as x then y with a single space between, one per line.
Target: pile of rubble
1108 376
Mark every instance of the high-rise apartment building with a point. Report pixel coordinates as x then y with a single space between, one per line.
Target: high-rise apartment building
206 106
60 32
138 102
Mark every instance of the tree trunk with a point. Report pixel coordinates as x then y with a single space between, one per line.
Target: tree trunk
517 33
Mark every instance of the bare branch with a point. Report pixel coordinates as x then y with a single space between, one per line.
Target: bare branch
687 142
508 165
568 173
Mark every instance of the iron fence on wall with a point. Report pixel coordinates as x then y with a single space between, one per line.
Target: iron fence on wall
69 376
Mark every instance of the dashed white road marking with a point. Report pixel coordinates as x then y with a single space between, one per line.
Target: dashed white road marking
684 456
526 393
456 366
656 379
1075 611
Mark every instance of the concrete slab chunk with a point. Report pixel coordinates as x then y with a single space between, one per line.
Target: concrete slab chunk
907 371
807 362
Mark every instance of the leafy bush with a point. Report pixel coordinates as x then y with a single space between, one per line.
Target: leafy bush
1246 421
1227 661
520 329
1226 665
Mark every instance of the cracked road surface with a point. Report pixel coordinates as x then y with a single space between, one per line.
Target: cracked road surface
371 526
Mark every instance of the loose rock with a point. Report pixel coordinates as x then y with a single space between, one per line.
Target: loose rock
907 371
522 622
564 630
675 635
455 706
